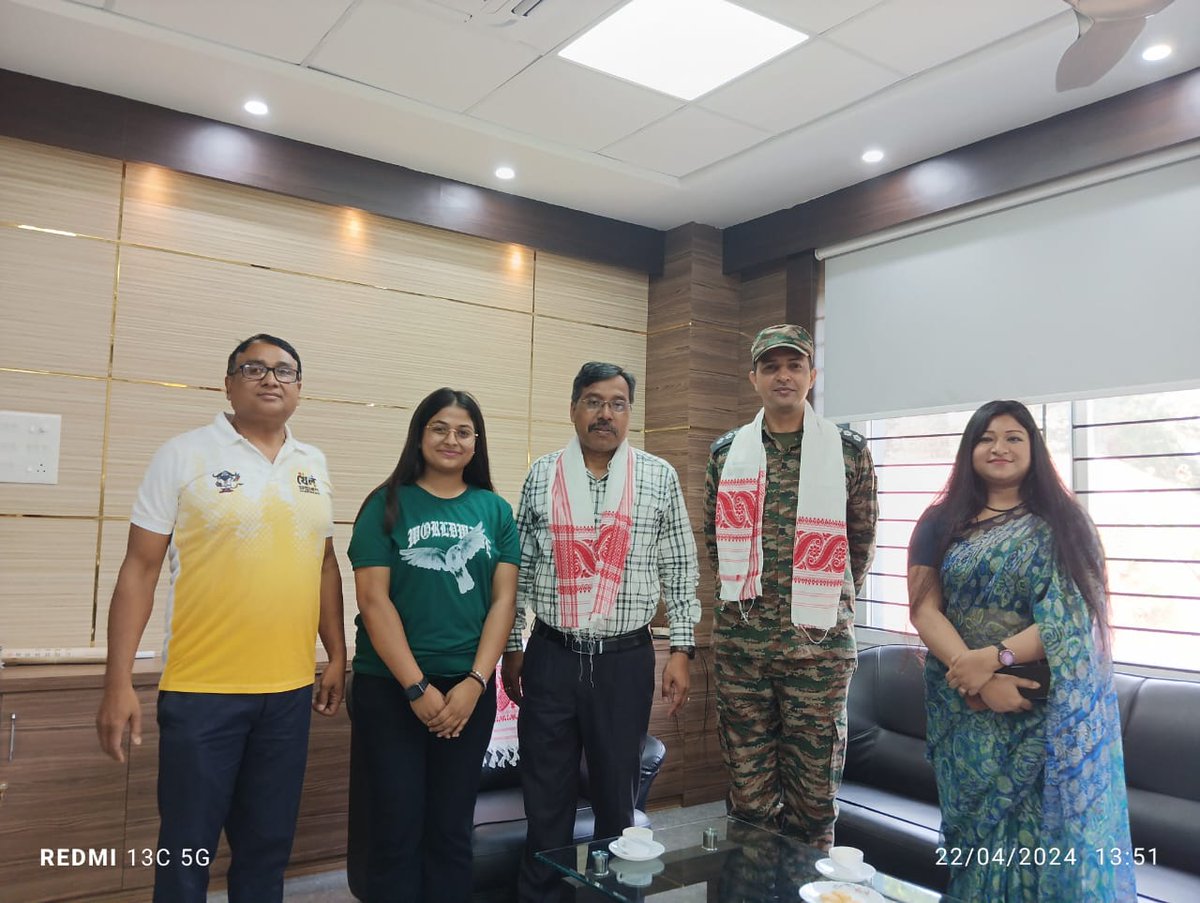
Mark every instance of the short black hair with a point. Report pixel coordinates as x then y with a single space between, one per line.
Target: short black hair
231 367
598 371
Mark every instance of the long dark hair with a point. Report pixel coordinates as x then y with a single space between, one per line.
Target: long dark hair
411 465
1076 541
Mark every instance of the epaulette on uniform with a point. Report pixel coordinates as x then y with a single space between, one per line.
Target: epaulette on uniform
723 441
850 437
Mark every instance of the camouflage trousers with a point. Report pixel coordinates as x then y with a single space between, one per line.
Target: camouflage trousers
781 709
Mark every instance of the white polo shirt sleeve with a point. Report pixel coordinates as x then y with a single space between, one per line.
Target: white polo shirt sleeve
157 505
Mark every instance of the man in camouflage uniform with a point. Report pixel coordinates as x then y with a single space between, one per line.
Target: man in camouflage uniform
781 688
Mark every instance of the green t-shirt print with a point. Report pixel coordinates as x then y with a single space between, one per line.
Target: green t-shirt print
442 554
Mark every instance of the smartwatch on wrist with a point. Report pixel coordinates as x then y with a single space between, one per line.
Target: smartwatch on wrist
1005 655
417 690
689 651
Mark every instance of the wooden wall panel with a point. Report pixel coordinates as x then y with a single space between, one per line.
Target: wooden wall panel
49 569
559 349
57 189
508 454
58 300
140 419
114 535
81 404
178 318
591 292
382 312
165 209
341 542
764 303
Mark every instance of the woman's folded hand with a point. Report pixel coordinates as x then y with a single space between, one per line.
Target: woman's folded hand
970 670
460 703
1000 694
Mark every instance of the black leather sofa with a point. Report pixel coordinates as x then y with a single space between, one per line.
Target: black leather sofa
499 833
888 800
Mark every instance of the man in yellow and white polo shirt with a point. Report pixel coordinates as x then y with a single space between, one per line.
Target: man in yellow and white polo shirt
244 512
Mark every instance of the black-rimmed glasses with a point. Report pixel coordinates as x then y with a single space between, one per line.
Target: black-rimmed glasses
252 371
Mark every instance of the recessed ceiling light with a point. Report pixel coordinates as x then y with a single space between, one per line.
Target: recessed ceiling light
874 155
1156 52
505 172
256 107
684 48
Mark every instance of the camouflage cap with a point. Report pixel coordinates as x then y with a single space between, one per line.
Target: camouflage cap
783 335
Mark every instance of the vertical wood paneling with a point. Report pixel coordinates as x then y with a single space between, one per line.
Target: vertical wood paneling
382 312
48 567
142 418
81 404
341 542
559 349
764 303
165 209
591 292
57 189
179 317
692 382
58 300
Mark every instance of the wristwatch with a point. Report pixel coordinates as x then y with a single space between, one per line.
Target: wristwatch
1005 655
417 690
689 651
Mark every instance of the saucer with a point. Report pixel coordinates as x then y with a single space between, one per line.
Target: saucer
618 849
636 874
812 893
830 869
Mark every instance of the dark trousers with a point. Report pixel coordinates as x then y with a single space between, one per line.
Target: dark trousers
599 705
421 792
232 760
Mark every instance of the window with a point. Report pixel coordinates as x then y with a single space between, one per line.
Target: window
1133 462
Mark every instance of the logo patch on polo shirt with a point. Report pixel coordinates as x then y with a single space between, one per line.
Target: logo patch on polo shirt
305 483
227 481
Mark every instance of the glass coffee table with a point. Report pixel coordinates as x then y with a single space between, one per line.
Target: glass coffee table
741 864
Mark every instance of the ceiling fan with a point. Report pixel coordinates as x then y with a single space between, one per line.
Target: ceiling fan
1107 29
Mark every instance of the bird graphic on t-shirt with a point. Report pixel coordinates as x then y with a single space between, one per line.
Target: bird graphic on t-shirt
452 560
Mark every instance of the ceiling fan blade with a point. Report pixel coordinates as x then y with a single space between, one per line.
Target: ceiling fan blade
1100 46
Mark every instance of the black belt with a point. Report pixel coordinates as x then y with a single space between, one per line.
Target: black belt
594 646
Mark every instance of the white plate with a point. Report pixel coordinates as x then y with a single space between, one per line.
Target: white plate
829 869
618 849
636 874
811 893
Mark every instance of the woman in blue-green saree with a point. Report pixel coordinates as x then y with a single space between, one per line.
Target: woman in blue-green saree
1006 571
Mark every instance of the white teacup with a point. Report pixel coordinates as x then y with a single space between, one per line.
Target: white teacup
847 859
640 841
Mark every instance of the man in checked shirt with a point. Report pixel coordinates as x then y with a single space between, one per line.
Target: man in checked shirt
604 535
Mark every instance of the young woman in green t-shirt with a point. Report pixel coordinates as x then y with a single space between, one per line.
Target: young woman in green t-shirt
435 555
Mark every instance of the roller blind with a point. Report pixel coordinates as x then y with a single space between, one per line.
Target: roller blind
1088 293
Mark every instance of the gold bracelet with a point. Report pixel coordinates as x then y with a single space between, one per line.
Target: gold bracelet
479 677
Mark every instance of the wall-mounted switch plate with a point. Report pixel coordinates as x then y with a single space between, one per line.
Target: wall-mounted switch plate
29 445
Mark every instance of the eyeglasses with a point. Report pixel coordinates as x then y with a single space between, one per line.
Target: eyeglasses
441 433
254 371
617 406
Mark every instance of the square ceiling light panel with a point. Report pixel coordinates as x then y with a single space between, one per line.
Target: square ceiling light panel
684 48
